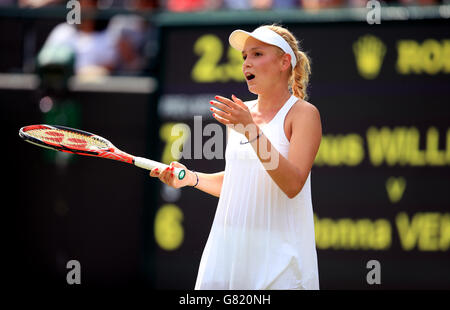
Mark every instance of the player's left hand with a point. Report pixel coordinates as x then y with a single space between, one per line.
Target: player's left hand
233 113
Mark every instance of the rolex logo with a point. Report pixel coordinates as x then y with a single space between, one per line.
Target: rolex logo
369 54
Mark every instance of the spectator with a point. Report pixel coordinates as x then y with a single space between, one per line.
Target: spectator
6 3
419 2
285 4
237 4
135 40
261 4
185 5
321 4
90 42
128 4
38 3
357 3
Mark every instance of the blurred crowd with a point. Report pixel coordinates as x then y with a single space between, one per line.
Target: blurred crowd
127 44
202 5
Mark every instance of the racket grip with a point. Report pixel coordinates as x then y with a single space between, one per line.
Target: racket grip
150 164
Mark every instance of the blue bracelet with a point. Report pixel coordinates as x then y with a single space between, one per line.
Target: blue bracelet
197 178
245 142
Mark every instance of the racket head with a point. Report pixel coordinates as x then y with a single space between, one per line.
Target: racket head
65 139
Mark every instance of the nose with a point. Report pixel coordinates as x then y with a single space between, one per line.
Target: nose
247 63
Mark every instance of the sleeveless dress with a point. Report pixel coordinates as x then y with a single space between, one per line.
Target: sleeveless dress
260 239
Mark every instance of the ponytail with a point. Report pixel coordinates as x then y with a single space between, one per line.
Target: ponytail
298 81
300 75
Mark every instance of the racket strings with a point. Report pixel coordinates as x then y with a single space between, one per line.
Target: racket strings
68 138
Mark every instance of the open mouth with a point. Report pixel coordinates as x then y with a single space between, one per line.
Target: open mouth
249 76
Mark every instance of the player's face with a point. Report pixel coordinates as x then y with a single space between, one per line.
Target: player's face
262 65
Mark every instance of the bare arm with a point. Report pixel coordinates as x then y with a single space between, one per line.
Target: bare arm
210 183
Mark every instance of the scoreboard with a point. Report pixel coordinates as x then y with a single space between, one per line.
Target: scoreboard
381 178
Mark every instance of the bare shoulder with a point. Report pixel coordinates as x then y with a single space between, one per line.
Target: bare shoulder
303 118
303 111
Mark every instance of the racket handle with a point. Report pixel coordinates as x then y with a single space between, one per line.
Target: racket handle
150 164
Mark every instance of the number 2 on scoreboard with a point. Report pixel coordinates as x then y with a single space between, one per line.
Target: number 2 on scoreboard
208 70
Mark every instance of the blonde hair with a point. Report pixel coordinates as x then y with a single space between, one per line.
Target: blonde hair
299 78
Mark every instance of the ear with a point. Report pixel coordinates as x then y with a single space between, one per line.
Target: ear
285 62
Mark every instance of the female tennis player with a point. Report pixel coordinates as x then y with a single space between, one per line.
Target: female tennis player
262 236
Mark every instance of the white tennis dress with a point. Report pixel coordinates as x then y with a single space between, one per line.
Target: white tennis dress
260 239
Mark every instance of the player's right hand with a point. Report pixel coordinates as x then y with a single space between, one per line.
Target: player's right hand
168 177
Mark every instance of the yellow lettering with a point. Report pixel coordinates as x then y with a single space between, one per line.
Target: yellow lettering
417 157
233 69
208 70
388 145
355 149
364 228
447 153
210 49
408 60
325 234
324 147
401 146
350 234
338 150
446 55
375 147
431 56
434 156
407 231
444 242
395 188
334 151
382 236
347 234
169 232
429 233
423 231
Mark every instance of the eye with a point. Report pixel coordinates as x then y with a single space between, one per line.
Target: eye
244 56
258 54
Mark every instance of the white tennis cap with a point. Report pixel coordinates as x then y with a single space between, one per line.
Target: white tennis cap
238 37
